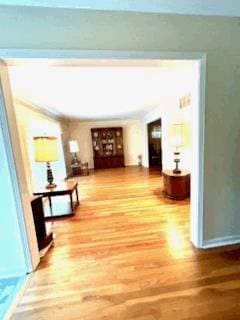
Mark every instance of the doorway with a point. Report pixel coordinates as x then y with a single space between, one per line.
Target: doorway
155 144
197 199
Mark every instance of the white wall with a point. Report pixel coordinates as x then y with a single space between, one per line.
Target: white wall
132 138
33 123
65 144
185 81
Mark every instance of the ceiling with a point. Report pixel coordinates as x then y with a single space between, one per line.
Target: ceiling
97 89
202 7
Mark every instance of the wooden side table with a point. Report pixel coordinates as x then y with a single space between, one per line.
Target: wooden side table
80 170
176 186
84 169
64 188
76 170
44 238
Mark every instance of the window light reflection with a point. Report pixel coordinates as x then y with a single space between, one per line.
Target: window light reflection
176 241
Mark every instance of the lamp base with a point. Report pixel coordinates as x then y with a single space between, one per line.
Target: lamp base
75 160
51 186
177 171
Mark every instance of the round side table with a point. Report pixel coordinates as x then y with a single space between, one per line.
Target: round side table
176 185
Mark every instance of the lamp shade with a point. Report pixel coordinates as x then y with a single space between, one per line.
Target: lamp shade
73 146
46 149
177 135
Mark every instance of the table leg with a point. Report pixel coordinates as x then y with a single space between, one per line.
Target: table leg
50 205
77 195
71 201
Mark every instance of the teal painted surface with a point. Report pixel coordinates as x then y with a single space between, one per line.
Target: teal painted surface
9 289
12 261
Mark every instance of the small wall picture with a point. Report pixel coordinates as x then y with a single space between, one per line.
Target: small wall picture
185 101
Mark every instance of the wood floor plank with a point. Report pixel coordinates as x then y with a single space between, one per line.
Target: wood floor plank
126 255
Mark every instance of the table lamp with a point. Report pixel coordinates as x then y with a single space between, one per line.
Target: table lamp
46 150
74 148
177 141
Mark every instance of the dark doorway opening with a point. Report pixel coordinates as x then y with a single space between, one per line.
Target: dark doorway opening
155 144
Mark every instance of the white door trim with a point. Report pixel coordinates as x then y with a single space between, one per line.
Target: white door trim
97 54
196 217
201 153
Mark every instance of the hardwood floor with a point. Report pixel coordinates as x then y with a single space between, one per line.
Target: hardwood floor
126 255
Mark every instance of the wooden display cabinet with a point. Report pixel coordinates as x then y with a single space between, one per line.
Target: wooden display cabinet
107 146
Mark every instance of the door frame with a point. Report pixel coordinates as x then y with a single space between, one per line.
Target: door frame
4 127
198 198
147 132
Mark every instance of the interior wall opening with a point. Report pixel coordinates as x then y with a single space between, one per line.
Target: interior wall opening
154 156
181 100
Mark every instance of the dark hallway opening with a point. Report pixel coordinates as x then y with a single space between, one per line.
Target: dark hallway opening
155 144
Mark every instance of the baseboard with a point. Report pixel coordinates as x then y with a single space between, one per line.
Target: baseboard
221 241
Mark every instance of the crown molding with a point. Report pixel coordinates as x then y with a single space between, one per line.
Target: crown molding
193 7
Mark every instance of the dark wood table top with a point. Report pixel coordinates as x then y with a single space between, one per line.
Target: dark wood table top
172 174
66 187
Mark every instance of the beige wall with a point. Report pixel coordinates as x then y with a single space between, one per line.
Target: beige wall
65 144
132 138
217 36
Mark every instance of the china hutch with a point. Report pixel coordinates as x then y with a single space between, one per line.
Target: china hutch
107 146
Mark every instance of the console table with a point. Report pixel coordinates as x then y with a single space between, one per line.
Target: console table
64 188
176 185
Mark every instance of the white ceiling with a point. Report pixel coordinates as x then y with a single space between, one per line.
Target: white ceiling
203 7
97 90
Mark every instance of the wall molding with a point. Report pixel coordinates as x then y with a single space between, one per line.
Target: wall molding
8 53
186 7
41 110
221 241
131 164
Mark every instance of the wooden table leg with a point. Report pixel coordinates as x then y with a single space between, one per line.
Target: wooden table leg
50 205
77 195
71 202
